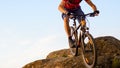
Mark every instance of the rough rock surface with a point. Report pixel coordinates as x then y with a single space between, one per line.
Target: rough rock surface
108 56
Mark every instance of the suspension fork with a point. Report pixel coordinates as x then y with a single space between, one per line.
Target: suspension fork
79 38
81 35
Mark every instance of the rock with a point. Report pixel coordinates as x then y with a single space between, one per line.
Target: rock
108 49
116 61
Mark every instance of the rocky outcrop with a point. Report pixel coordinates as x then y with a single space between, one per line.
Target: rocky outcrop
108 56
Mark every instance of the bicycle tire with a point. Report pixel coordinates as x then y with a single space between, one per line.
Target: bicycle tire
89 60
74 51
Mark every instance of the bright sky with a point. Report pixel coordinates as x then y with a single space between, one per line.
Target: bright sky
30 29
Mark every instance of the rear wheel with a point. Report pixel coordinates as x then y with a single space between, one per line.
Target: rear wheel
88 50
74 51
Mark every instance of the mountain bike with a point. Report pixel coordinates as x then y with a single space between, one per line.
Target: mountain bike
84 41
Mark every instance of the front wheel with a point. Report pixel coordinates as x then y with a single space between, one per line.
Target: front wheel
88 50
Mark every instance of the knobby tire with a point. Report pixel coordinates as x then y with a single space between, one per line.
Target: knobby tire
90 45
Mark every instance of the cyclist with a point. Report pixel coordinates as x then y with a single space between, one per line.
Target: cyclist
73 6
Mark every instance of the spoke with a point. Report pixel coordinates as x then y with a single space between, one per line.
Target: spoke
86 59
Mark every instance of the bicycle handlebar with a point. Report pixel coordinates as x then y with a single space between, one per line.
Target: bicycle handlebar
90 14
72 15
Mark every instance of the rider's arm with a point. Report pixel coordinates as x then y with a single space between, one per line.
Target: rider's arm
61 7
89 2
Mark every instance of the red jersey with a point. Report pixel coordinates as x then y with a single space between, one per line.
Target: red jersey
72 5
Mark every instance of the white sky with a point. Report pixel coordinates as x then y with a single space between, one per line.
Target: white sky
30 29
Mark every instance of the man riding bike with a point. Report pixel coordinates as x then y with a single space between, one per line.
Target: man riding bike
73 6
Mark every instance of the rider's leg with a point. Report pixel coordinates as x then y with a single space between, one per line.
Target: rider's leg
68 31
67 27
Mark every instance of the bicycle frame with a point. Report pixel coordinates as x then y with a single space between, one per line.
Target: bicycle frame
82 29
76 27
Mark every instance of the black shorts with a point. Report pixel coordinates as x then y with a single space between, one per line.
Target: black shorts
77 11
